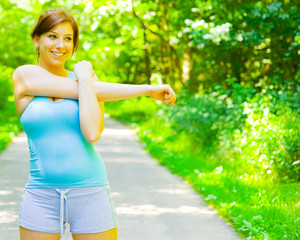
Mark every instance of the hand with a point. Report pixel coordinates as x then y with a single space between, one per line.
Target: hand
163 93
83 71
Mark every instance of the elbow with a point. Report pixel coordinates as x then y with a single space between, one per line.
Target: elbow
94 136
93 140
19 82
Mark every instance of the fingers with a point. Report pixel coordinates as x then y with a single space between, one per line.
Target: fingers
171 97
83 69
171 101
84 63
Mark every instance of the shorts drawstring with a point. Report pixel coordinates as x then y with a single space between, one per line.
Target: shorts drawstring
68 211
63 198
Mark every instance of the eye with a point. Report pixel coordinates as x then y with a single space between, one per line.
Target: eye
68 39
52 36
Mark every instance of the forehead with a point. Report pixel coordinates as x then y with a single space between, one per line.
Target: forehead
62 28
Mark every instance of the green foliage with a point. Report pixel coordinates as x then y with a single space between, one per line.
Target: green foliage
237 147
9 124
258 133
191 44
270 142
16 47
9 120
234 131
5 84
133 110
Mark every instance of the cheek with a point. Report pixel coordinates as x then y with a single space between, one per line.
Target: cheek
48 44
69 46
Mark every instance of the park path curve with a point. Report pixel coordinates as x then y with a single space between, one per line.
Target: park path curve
151 203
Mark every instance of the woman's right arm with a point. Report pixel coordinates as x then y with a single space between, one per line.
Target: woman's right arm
32 80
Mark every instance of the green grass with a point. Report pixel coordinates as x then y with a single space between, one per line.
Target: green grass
257 205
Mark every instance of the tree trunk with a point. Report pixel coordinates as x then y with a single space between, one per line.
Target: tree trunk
186 65
147 59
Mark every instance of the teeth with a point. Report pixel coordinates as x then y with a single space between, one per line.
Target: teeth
58 54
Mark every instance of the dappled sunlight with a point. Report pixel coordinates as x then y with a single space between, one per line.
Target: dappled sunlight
6 192
116 194
172 191
231 139
8 217
149 209
8 203
20 139
115 149
118 132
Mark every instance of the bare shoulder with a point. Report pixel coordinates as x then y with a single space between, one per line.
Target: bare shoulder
28 67
19 84
25 70
24 75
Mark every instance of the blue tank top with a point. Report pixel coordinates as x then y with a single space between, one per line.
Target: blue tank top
60 157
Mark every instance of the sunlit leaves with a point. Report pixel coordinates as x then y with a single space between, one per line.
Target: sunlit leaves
238 175
219 38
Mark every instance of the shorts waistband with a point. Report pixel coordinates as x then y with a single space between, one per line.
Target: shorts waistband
73 192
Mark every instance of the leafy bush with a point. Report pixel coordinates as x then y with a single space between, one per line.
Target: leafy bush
9 120
9 123
247 171
5 84
270 141
252 129
205 116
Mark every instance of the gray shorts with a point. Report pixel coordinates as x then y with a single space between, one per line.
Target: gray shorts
87 210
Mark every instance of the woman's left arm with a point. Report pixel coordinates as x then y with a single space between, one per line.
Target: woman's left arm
106 91
91 112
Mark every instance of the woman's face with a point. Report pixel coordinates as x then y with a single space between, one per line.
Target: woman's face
55 46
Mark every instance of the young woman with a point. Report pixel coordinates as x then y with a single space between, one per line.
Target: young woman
62 114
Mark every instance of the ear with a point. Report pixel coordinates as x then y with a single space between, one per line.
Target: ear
36 41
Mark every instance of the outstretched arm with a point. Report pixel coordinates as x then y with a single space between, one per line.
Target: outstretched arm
116 91
32 80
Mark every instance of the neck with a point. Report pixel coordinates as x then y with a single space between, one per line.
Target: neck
56 70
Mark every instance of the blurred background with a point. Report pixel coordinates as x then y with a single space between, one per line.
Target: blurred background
234 65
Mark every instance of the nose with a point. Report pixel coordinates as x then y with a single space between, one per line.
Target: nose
60 43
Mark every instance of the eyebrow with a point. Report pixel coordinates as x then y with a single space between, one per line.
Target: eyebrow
65 34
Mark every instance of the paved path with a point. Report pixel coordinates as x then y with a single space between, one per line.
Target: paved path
151 203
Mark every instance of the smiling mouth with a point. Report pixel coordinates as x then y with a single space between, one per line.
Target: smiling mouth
57 54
